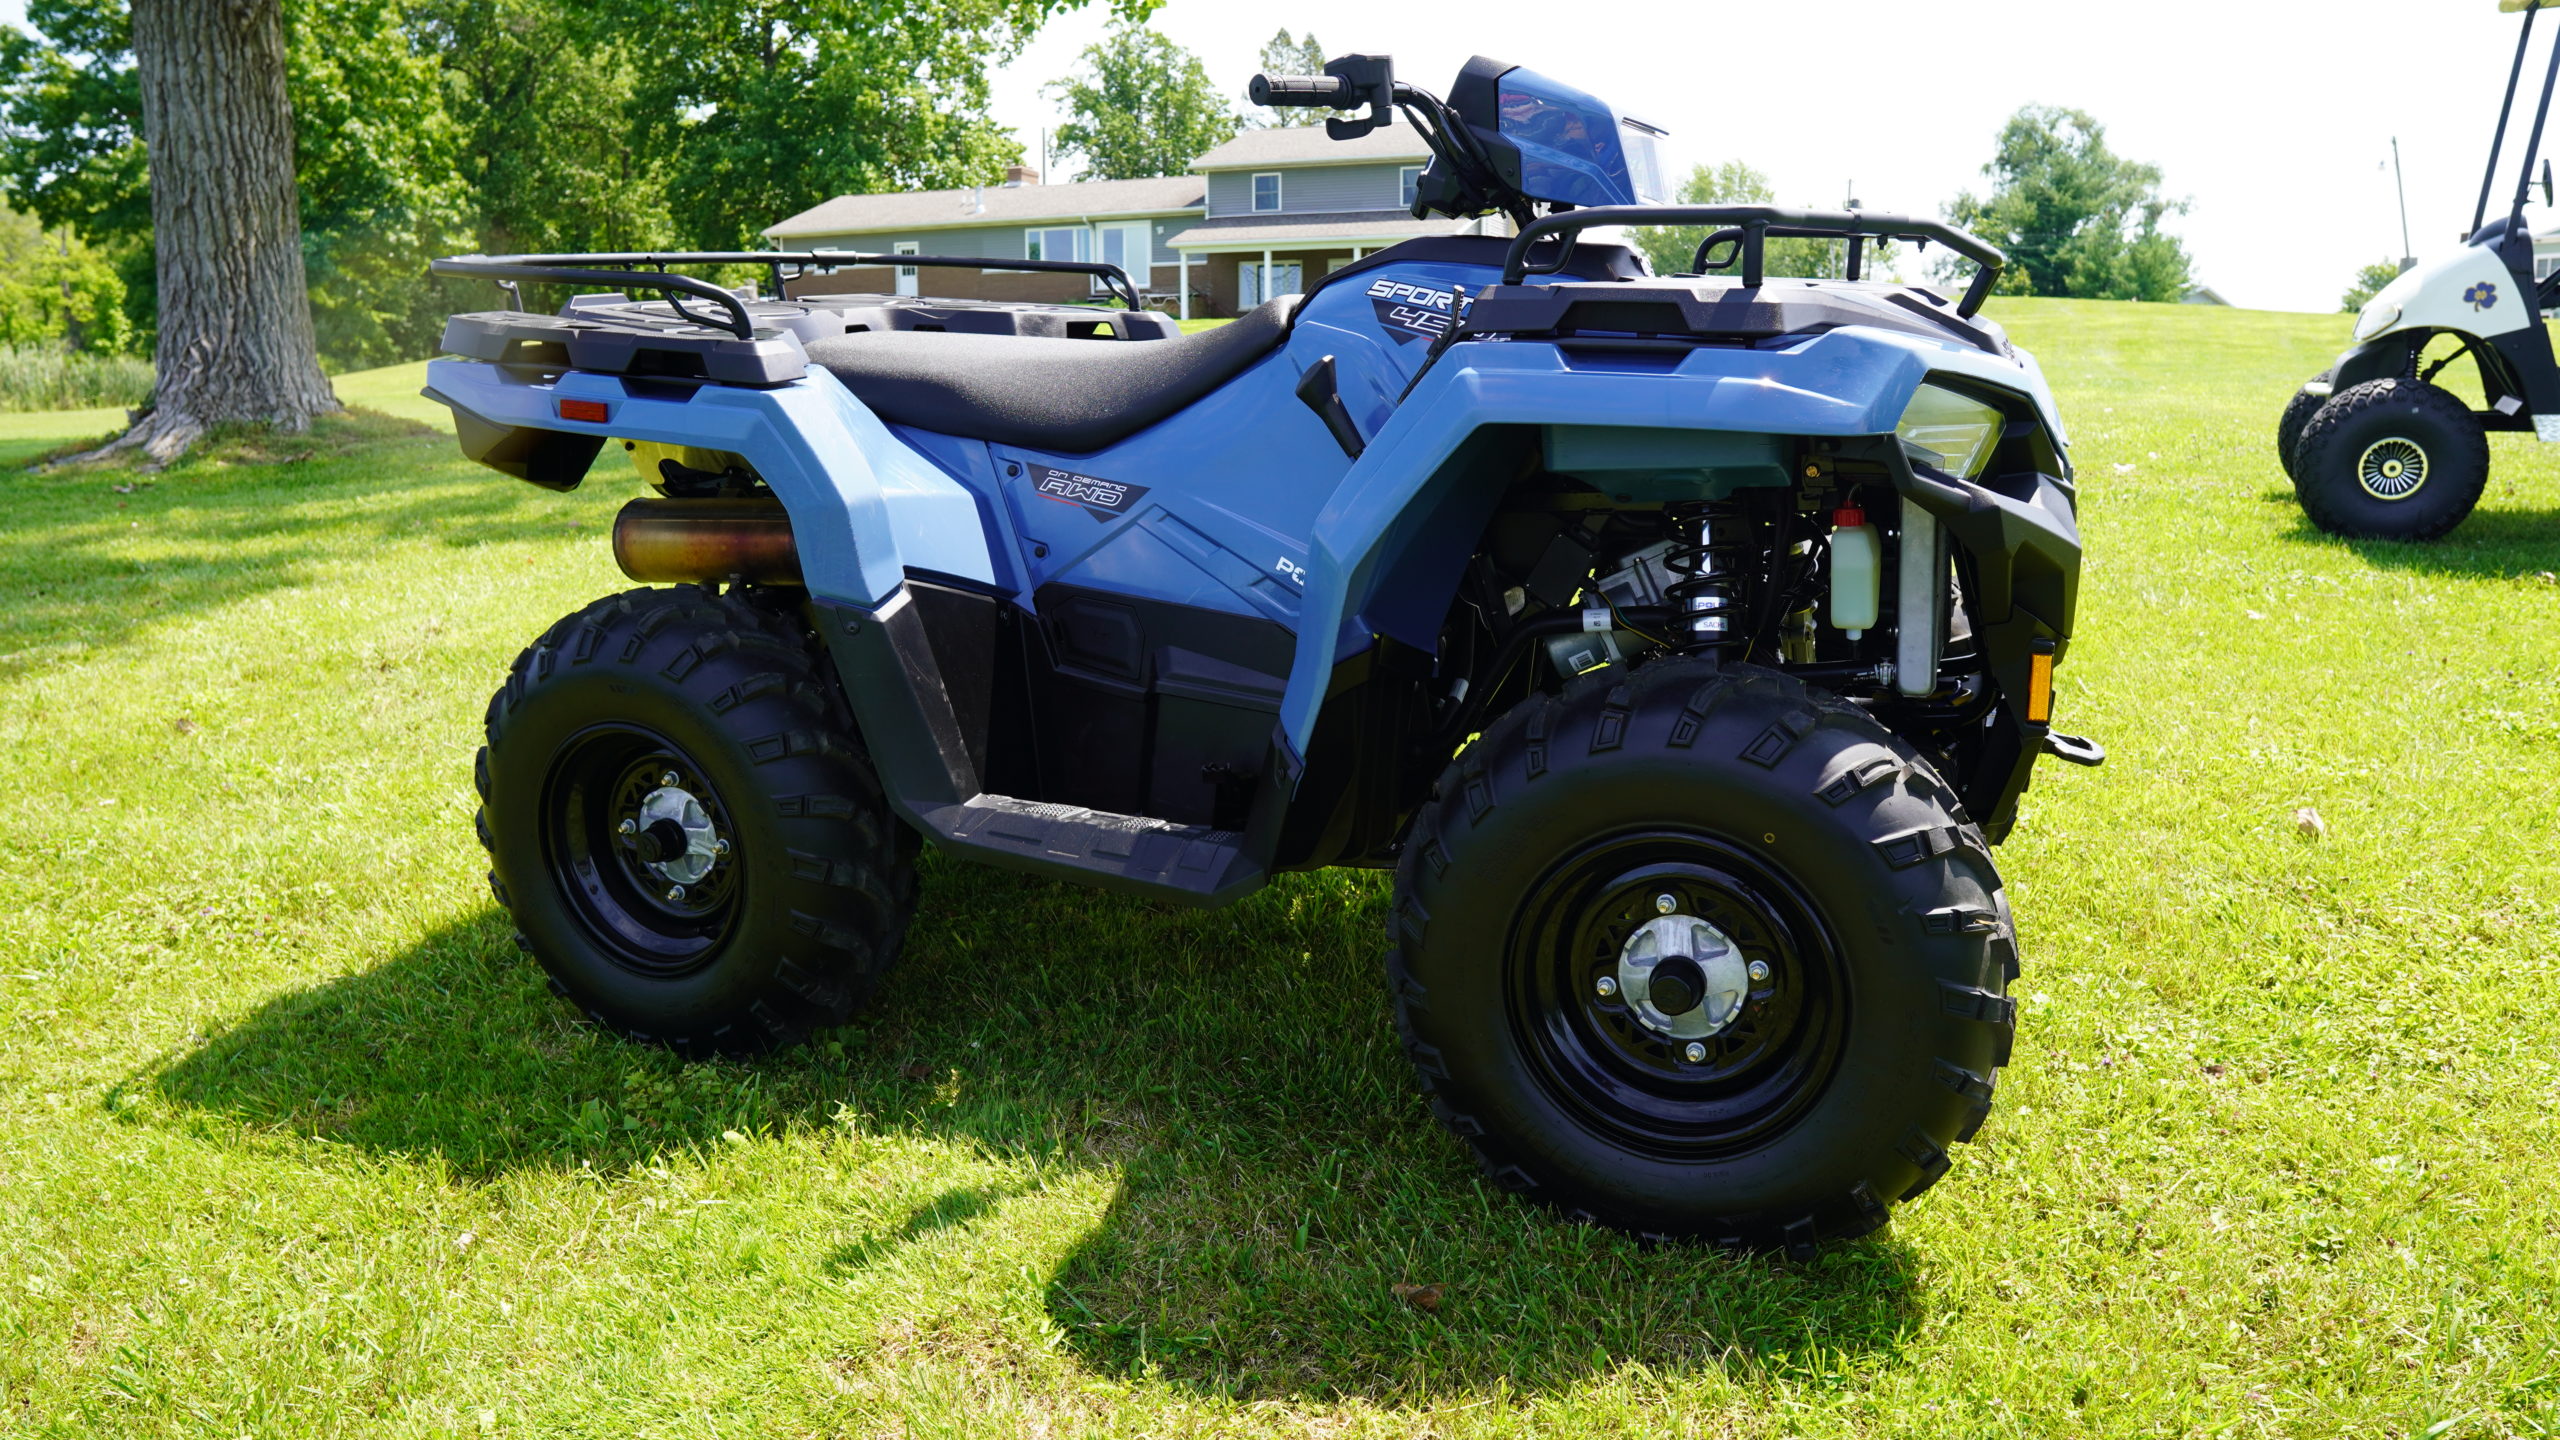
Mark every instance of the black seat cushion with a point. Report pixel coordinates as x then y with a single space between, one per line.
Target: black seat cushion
1071 395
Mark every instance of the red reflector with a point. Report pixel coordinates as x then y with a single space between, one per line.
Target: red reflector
592 411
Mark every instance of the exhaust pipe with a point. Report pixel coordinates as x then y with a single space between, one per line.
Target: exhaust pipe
659 541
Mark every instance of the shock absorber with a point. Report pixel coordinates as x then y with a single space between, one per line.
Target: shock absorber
1706 599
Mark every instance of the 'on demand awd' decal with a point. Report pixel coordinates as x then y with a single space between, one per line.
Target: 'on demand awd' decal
1104 500
1412 312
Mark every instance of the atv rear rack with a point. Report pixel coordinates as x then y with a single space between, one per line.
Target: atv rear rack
1750 227
620 269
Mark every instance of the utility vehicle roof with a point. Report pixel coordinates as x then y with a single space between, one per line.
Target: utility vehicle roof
2518 7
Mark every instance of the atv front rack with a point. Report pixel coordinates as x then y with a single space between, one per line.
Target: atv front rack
1749 228
620 269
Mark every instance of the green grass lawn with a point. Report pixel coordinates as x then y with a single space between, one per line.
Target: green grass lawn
292 1141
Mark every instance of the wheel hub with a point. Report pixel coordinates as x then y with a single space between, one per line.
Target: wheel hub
1682 978
673 836
2392 468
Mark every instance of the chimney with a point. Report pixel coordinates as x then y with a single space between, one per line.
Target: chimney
1020 175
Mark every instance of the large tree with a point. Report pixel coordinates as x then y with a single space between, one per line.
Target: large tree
1140 105
2075 218
1671 249
236 344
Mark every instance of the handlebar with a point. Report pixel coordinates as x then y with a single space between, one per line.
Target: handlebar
1306 92
1755 224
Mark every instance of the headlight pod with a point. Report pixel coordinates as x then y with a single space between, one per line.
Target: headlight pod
1957 431
2375 318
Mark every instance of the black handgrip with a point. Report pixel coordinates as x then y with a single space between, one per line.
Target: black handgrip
1307 92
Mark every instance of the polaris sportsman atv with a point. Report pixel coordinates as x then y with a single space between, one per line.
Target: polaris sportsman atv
2374 447
1681 643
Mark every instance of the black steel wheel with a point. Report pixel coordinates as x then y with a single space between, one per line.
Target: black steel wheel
2298 410
2391 460
1700 953
685 826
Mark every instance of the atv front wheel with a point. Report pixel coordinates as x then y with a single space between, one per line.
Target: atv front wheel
1703 954
2391 460
2306 402
689 834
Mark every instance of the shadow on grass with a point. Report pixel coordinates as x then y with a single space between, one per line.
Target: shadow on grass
2493 543
78 558
1236 1070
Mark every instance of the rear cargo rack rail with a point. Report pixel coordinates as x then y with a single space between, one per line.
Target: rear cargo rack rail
623 270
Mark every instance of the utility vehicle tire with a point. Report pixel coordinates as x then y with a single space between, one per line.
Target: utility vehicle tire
1818 844
2391 460
756 896
2298 411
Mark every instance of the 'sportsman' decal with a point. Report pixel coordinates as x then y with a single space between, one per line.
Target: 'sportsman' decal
1104 500
1412 312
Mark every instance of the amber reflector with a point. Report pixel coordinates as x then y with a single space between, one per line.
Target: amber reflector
591 411
2039 688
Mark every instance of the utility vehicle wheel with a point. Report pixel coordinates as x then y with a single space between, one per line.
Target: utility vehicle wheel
1703 954
689 834
2297 413
2391 460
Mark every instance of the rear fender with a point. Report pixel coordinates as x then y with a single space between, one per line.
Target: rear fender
864 506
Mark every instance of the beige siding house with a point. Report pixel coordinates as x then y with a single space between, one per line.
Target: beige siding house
1263 215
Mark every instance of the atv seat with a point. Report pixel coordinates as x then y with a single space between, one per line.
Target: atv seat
1075 396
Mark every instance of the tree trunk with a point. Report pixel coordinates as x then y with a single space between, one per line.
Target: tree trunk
235 319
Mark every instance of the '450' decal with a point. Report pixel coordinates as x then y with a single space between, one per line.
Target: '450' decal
1104 500
1415 312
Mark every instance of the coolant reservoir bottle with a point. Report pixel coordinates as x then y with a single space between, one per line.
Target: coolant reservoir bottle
1857 571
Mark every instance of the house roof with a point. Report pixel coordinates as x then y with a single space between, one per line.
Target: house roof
1359 226
993 205
1309 145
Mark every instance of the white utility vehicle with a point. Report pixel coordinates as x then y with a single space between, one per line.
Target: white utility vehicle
2375 447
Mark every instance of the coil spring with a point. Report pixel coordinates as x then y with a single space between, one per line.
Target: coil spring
1706 604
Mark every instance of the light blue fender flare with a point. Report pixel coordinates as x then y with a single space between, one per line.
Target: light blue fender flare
864 506
1852 381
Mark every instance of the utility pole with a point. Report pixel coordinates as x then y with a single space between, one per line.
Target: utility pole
2401 183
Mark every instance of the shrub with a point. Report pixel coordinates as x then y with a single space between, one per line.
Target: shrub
48 377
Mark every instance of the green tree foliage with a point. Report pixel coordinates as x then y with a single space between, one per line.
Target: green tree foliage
1670 249
1140 105
2369 283
425 127
56 290
1282 55
2075 218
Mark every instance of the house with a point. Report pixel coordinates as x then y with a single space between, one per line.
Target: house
1263 215
2202 295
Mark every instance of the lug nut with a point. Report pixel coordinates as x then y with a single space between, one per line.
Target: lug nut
1607 985
1696 1052
1664 904
669 779
627 827
675 892
1759 971
721 847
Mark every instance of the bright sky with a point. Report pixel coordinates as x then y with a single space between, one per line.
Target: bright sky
2275 119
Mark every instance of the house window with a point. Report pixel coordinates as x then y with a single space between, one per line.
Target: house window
1063 242
1257 283
1129 244
907 273
1412 175
1266 191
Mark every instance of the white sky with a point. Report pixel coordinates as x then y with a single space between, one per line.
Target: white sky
2275 119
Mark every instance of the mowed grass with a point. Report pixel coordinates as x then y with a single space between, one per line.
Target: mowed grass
293 1142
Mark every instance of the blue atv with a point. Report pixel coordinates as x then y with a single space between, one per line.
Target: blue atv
1681 643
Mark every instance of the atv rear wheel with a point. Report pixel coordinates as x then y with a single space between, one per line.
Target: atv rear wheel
1703 954
2306 402
689 834
2391 460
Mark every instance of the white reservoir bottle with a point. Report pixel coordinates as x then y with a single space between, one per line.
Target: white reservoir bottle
1857 571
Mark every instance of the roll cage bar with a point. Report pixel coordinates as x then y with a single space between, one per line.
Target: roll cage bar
620 269
2498 137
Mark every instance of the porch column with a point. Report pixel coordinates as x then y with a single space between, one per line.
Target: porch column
1186 283
1262 287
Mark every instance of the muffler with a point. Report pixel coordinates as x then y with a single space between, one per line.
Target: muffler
661 541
